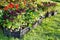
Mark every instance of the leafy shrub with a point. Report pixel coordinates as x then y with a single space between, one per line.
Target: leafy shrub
56 0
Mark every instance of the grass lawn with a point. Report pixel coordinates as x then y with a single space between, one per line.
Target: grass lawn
48 30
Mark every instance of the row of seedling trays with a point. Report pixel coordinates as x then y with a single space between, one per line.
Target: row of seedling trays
20 32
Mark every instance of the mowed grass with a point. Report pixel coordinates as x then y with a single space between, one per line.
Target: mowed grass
48 30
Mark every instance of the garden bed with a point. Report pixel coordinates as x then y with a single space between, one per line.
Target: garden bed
20 32
18 19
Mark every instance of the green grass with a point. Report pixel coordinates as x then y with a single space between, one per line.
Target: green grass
48 30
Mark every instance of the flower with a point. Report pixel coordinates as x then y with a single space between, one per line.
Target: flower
17 6
11 5
12 12
6 8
